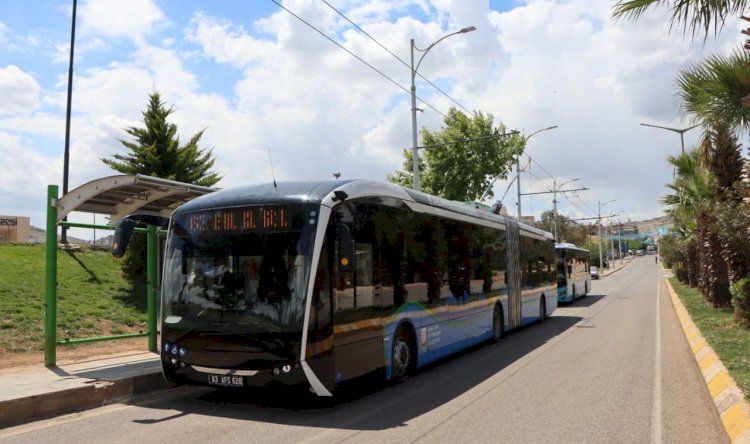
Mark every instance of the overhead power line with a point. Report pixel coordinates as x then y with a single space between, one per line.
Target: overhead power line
394 55
355 56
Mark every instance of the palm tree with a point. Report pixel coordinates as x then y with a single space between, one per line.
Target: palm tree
693 210
696 16
692 190
713 90
712 93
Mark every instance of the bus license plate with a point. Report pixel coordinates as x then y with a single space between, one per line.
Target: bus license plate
226 380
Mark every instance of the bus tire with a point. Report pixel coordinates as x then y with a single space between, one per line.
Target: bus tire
403 353
497 323
542 309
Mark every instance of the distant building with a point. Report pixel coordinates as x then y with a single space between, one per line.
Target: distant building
655 228
527 219
14 229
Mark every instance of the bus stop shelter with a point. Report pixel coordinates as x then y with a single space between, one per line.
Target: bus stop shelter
116 197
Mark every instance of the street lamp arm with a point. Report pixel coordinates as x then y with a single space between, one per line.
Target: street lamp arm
539 131
415 150
566 182
426 50
676 130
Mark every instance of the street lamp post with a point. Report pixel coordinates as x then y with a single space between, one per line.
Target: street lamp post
518 166
415 151
612 242
66 155
680 131
555 190
619 240
599 217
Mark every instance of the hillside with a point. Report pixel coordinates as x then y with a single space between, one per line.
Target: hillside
93 297
39 236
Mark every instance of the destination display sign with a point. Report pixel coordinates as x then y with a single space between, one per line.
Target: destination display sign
242 220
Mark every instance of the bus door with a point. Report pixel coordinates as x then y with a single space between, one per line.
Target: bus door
357 311
514 274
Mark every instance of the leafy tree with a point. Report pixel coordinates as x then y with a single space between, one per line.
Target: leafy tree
460 161
156 151
696 16
673 253
593 247
567 229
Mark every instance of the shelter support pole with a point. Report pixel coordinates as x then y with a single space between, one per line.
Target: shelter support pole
50 286
151 275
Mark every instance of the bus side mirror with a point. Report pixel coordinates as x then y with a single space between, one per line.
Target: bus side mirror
125 227
346 248
123 231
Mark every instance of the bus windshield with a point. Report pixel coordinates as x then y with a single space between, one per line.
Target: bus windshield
245 269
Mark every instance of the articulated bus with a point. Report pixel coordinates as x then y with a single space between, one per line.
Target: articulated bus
573 275
319 283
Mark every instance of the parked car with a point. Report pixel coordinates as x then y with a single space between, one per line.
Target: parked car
594 273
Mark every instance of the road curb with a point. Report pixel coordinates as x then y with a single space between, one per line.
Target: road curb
98 393
728 398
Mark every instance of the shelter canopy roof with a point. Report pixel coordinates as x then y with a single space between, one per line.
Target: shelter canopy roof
118 196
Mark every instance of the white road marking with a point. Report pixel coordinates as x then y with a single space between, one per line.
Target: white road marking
656 426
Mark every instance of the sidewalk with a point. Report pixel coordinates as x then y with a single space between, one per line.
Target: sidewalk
31 393
618 265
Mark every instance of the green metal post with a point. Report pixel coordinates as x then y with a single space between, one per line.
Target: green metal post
151 273
50 286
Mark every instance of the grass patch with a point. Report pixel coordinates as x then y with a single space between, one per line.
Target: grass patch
93 298
730 342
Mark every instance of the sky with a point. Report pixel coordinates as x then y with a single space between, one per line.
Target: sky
278 98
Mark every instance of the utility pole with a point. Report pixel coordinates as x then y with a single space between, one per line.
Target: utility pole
554 191
599 223
518 182
518 166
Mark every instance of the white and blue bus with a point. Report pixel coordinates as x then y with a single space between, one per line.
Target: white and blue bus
573 273
319 283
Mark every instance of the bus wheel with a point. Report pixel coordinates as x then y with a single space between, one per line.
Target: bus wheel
403 354
542 309
497 323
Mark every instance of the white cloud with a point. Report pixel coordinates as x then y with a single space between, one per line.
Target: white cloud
132 19
3 32
19 91
225 43
25 174
319 110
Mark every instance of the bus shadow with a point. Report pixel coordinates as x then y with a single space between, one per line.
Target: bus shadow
370 403
586 301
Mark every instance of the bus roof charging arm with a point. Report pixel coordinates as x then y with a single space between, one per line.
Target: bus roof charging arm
124 229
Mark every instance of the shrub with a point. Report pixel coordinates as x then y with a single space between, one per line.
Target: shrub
680 273
741 301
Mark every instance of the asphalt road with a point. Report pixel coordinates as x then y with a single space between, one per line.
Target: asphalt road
613 367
